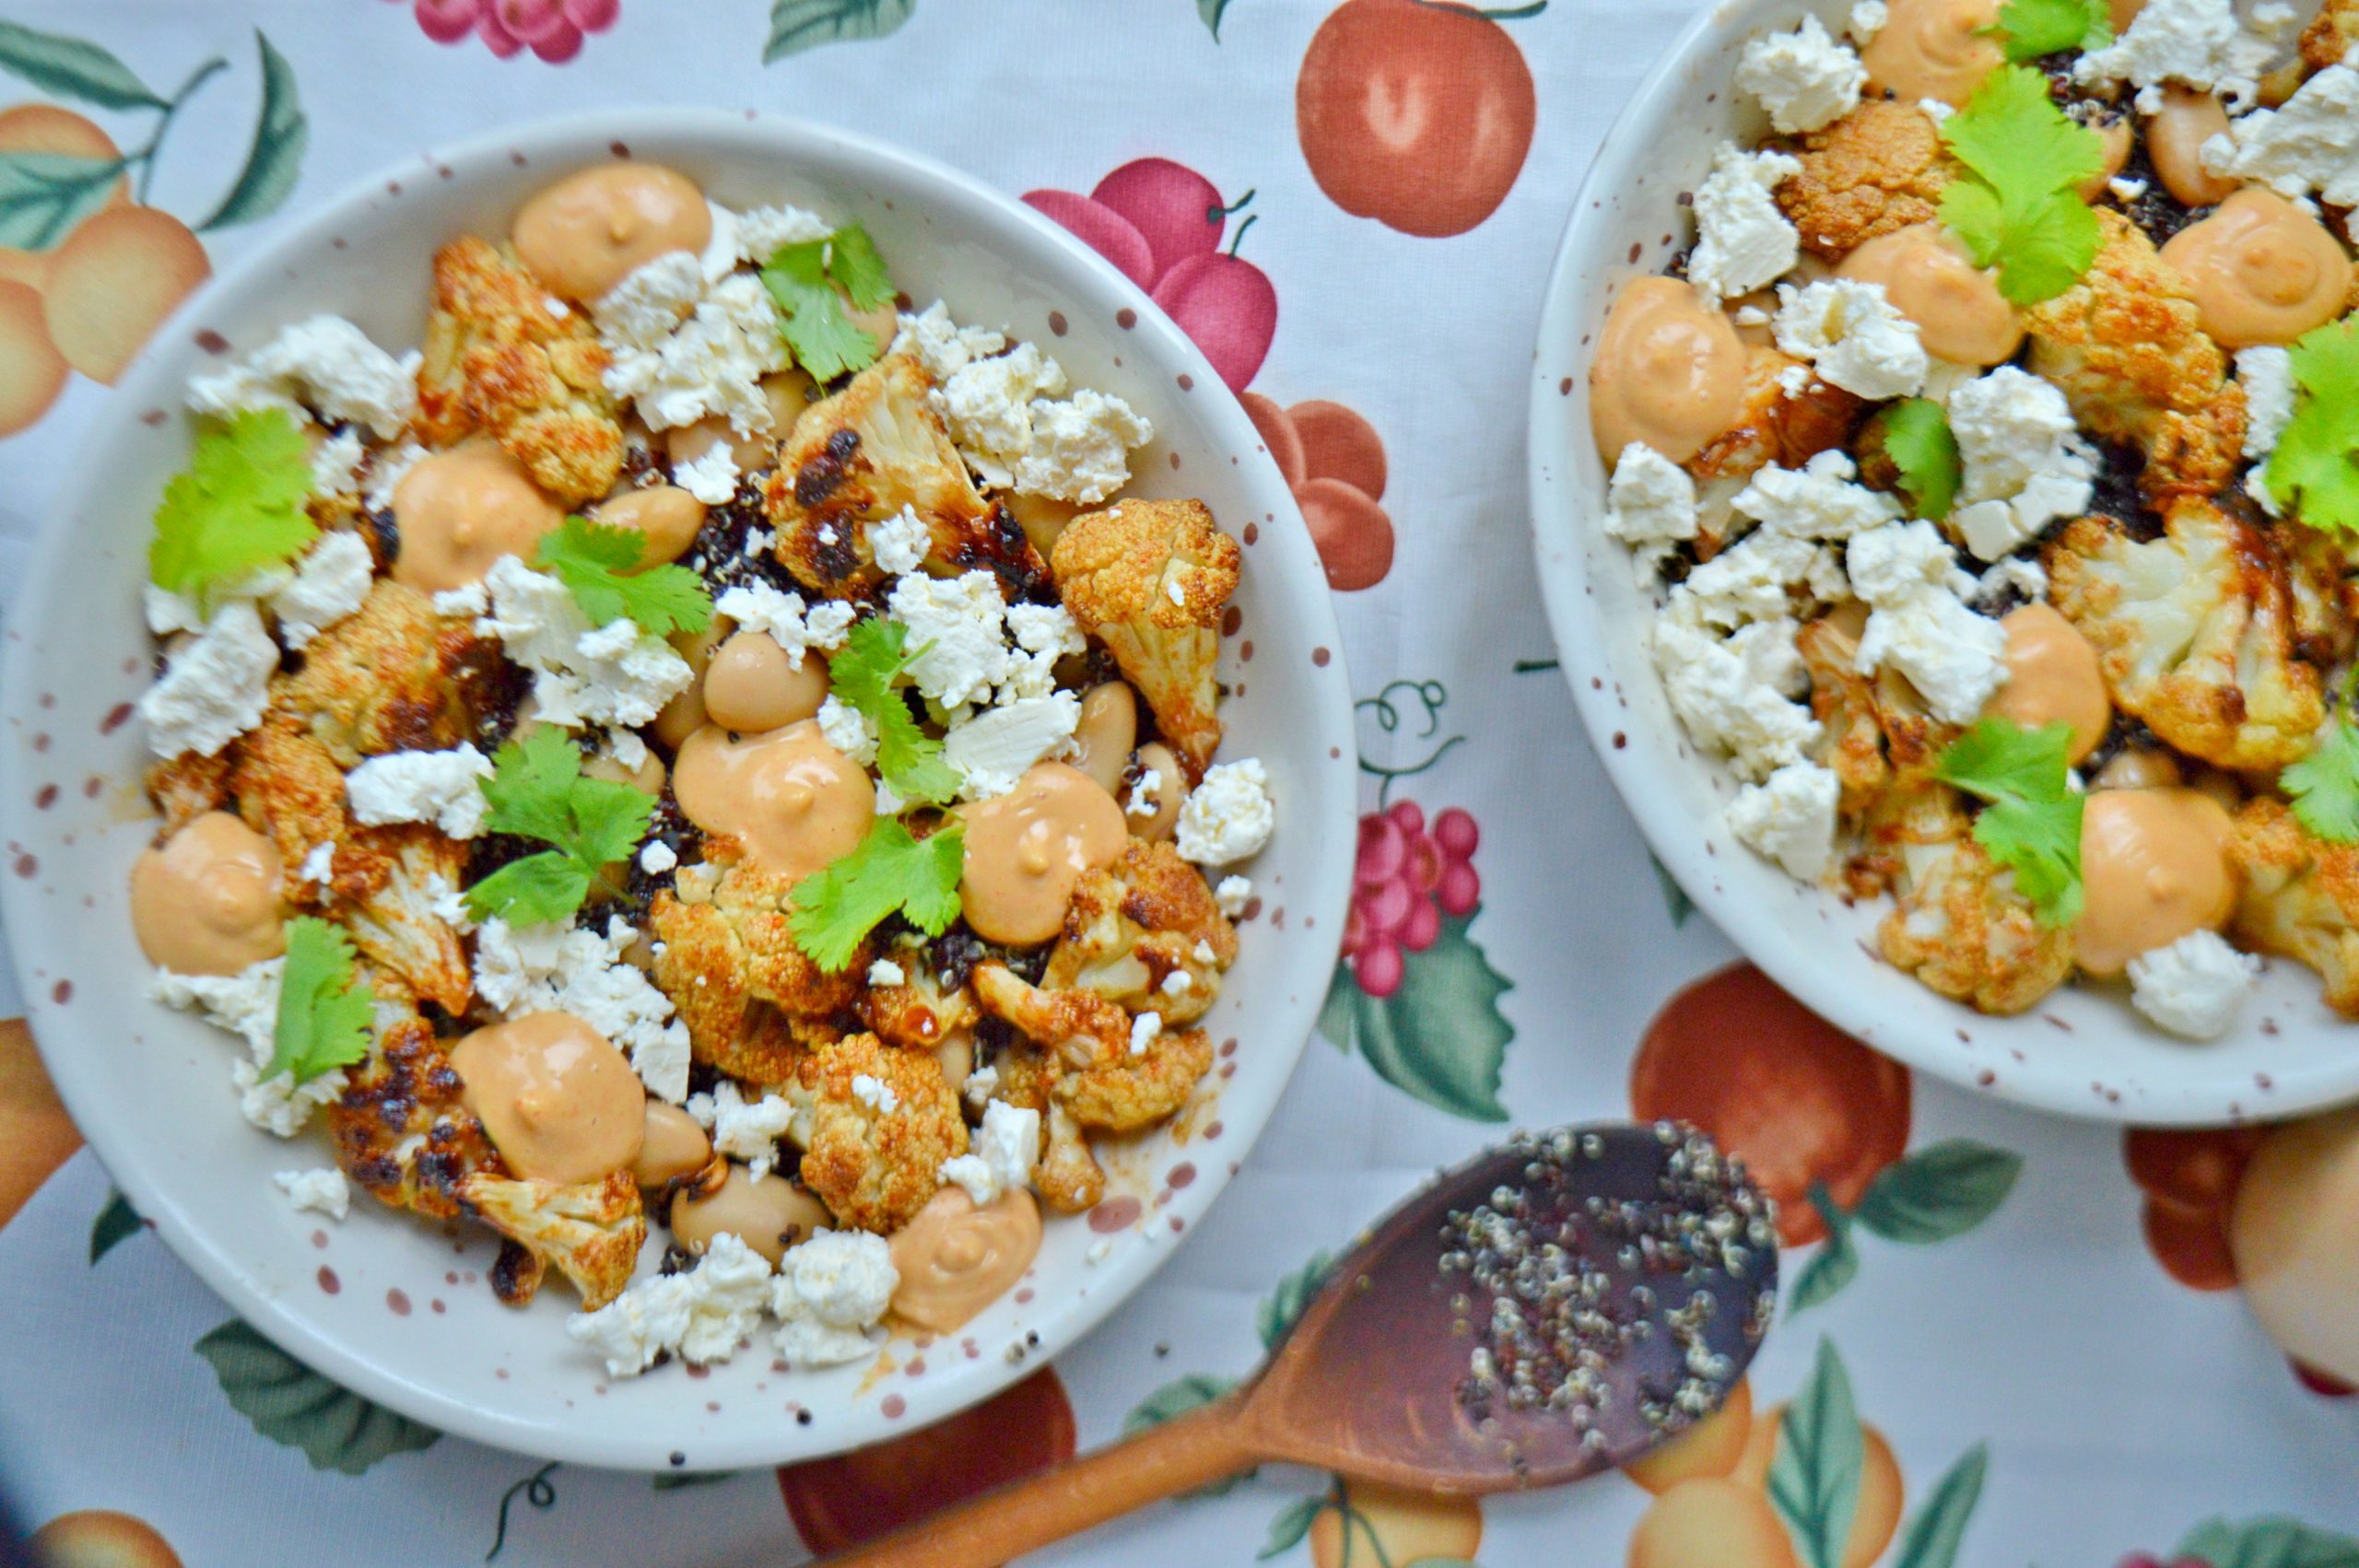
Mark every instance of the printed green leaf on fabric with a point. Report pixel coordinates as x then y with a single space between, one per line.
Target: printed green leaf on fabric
1835 1265
45 196
1815 1478
2268 1543
1178 1398
1289 1528
1441 1036
275 159
116 1223
1938 1192
1281 1308
1675 898
1212 11
798 25
291 1404
72 67
1933 1535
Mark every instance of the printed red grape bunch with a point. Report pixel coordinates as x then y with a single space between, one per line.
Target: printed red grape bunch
1407 878
551 29
1161 223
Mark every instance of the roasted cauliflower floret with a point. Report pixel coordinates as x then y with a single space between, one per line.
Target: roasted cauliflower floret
1876 733
2299 897
917 1013
860 457
2126 346
1772 424
500 357
751 998
1959 925
1101 1079
590 1230
875 1124
1066 1175
1133 925
400 1129
1149 580
396 927
186 787
392 676
1878 169
2194 632
2330 35
289 787
2326 596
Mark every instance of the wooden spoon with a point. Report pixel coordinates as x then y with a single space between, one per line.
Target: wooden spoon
1553 1307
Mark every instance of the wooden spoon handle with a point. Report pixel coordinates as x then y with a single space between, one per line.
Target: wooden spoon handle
1193 1450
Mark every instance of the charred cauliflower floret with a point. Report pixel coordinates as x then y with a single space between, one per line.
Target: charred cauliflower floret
2127 348
1101 1079
875 1124
186 787
290 787
751 998
500 357
396 927
1772 424
1877 170
1133 925
1876 733
400 1129
2325 594
1149 580
860 457
2194 632
2299 897
1959 925
918 1013
392 676
591 1231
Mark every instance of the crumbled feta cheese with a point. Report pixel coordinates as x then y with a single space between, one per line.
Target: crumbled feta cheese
1755 580
1043 634
1178 983
710 476
883 972
1001 1162
2014 573
1935 108
761 232
330 583
793 624
442 787
1889 564
386 470
679 370
1867 20
958 621
613 675
1146 794
2267 376
992 749
1203 952
1789 818
1851 331
1233 895
1013 425
325 363
1918 623
847 729
1817 501
2197 43
2126 190
1715 689
874 1092
1804 78
555 968
701 1314
1742 240
246 1004
830 1291
656 857
2195 985
1651 501
1228 816
980 1086
2023 464
899 542
941 344
319 864
646 1321
214 685
335 464
322 1191
741 1129
1145 1028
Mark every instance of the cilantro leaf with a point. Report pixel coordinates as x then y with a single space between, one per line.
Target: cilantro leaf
803 279
2034 28
2018 208
2032 821
325 1020
891 871
2312 471
2324 786
537 791
599 565
1917 437
861 676
238 508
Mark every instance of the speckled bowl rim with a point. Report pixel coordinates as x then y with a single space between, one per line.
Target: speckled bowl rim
1314 844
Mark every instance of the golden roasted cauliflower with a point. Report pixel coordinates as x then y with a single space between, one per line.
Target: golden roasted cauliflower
1958 924
2299 897
2194 631
917 1013
500 357
2330 35
1066 1175
1136 923
875 1124
401 1130
1877 170
186 787
591 1230
2326 593
392 676
396 927
290 787
1100 1079
1773 425
1149 580
1876 733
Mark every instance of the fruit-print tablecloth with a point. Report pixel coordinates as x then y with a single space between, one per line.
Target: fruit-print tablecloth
2022 1342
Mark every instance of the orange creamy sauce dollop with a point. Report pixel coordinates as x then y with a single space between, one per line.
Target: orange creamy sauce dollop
2262 270
795 803
2052 674
2153 867
955 1259
207 902
586 233
558 1101
1928 277
1026 849
1669 371
1938 49
460 510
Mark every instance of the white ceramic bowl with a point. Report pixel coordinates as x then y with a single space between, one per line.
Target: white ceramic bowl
151 1088
2083 1051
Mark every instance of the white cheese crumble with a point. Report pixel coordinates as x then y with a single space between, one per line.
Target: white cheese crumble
1010 420
1819 500
701 1314
2267 376
246 1004
1043 634
656 857
1742 240
319 864
2195 985
2027 577
741 1129
1804 78
992 749
442 787
941 344
1867 20
710 476
1178 983
1650 503
959 622
1228 816
899 542
325 363
1789 818
613 675
1145 1028
1730 693
679 370
555 968
2199 43
387 468
336 464
1852 335
2023 465
214 685
1145 795
885 973
1001 1161
1918 623
330 583
761 232
1233 895
829 1293
874 1092
324 1191
793 624
847 729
